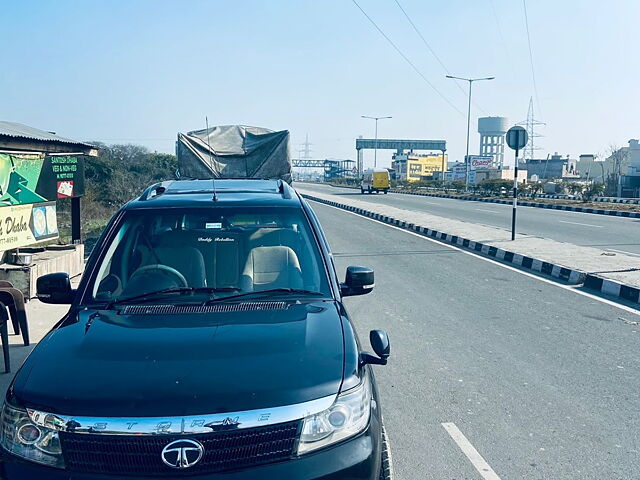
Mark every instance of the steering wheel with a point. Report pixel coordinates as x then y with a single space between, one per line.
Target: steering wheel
161 268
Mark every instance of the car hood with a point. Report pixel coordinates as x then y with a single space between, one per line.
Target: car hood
107 363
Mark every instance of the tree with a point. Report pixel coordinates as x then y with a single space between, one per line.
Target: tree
618 158
121 172
534 188
458 185
594 189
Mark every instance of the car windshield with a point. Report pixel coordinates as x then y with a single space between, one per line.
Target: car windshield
211 252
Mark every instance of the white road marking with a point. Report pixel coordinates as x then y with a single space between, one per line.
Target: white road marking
490 211
472 454
499 264
583 224
624 251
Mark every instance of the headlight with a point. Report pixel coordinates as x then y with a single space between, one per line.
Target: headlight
21 437
348 416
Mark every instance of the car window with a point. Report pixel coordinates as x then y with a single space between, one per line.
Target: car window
233 250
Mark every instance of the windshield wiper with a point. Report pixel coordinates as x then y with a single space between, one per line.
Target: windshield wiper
164 291
269 291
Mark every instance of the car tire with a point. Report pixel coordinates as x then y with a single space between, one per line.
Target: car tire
385 192
386 463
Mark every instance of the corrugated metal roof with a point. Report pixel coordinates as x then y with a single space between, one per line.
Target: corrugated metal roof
18 130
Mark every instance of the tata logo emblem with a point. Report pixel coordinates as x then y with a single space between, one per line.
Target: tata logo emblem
182 453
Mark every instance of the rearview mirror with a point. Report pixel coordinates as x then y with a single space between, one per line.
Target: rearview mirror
54 288
358 281
380 344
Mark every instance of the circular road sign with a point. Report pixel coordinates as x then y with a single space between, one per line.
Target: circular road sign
517 137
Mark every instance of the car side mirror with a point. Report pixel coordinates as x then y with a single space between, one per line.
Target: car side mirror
358 281
55 288
380 344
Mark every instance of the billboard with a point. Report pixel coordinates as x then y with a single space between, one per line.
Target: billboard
22 225
35 178
480 162
423 166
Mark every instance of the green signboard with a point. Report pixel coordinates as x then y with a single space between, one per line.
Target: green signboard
34 178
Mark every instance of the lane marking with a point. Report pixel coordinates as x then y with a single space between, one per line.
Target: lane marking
623 251
583 224
495 262
471 453
490 211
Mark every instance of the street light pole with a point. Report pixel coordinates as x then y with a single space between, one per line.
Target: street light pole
466 157
375 147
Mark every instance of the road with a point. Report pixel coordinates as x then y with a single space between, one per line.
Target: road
610 233
541 380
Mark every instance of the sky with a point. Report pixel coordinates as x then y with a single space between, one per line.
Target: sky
139 71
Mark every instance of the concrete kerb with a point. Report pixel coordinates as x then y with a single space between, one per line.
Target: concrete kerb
569 275
525 203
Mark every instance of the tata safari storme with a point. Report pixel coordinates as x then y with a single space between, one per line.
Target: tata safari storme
207 339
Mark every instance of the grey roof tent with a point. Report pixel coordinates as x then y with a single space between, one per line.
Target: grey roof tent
237 151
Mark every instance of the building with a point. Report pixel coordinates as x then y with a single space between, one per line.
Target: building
37 168
553 167
629 185
492 132
504 173
411 167
456 173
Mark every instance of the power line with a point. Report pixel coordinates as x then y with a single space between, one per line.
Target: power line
501 35
395 47
435 55
533 73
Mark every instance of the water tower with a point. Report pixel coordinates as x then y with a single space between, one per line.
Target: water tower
492 132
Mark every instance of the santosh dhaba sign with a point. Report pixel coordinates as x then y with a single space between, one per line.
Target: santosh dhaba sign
22 225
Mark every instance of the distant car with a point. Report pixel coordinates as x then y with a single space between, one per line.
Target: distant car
375 180
207 339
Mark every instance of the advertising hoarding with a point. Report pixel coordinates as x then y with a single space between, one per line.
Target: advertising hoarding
480 162
34 178
22 225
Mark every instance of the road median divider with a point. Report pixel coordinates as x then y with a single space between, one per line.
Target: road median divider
521 202
615 274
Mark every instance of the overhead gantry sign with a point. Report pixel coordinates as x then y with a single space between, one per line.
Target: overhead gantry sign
396 144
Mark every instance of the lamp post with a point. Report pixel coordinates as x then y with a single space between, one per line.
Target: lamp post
466 157
375 148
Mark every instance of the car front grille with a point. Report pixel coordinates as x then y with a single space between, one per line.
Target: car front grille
141 454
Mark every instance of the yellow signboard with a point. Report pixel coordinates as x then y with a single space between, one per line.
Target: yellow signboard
423 166
22 225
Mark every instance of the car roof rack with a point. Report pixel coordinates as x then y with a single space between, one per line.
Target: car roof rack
284 189
177 187
153 191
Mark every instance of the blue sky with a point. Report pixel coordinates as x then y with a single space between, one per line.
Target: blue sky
141 70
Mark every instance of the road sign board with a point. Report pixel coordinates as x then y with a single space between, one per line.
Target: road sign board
517 137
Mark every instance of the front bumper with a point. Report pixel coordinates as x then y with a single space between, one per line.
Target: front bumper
357 458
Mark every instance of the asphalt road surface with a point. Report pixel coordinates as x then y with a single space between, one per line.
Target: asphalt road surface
540 381
610 233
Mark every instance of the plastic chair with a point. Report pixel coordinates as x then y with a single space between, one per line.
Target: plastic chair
4 335
13 299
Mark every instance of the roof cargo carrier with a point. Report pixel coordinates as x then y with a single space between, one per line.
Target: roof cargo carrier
234 151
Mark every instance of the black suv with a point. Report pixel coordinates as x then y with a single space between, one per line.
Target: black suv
208 339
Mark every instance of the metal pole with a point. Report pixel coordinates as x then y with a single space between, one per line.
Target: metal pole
76 224
466 157
375 148
515 199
